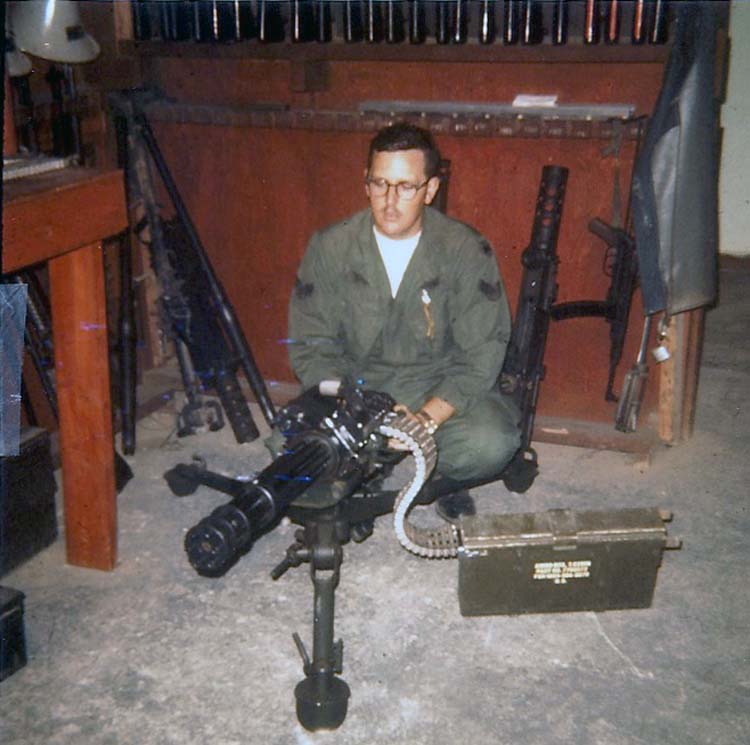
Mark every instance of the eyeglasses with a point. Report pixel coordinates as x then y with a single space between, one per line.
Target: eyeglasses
404 190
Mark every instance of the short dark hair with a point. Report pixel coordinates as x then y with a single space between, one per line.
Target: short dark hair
405 136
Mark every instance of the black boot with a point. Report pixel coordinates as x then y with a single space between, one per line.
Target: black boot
452 507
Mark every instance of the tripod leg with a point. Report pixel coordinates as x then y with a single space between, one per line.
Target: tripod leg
322 697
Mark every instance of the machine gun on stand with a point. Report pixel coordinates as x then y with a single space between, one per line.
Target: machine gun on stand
327 480
333 451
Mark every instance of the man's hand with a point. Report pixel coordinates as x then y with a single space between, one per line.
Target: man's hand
435 412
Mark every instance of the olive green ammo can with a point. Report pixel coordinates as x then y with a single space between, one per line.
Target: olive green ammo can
560 560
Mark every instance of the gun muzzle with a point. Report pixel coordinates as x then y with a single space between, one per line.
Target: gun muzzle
217 541
228 532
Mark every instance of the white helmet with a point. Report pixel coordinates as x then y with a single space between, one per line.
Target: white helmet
16 62
52 30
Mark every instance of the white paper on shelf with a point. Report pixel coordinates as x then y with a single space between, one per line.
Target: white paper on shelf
532 99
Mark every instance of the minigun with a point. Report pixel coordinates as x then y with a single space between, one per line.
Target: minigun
326 480
328 453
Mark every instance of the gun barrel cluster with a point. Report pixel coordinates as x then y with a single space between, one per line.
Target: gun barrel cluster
217 541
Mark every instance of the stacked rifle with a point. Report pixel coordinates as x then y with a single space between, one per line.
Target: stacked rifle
523 368
615 308
197 316
507 22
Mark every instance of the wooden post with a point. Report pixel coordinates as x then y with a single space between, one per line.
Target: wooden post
692 352
61 218
678 376
79 325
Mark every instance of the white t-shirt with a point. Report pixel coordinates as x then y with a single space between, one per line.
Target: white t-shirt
396 254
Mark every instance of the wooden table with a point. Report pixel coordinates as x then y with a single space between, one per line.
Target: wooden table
62 218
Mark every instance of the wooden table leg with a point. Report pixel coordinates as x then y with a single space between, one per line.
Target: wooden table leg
79 326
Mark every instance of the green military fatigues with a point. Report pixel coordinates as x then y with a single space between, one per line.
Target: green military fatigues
444 334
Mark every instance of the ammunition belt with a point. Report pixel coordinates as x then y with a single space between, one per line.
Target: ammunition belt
439 543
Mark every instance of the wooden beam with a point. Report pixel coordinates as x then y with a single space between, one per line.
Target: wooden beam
79 326
678 376
595 435
429 52
49 215
692 346
667 373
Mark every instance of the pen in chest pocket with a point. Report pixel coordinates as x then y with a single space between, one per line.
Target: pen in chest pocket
426 303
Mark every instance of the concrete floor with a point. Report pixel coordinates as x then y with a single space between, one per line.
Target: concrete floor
152 653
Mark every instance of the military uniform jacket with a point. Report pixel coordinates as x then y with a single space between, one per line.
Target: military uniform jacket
444 334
